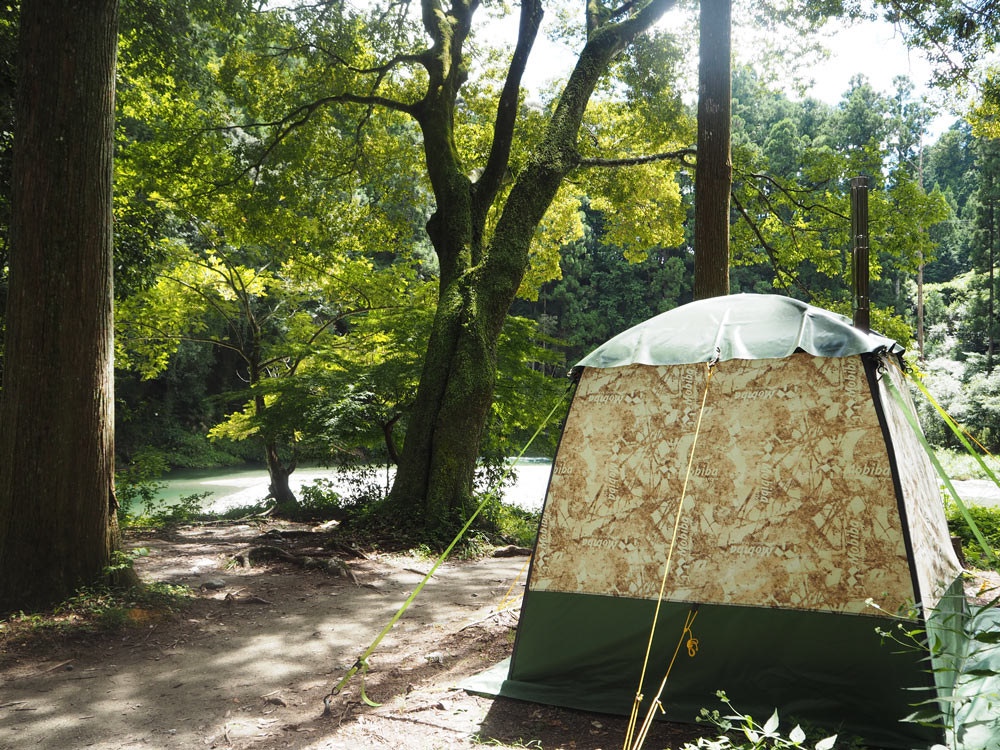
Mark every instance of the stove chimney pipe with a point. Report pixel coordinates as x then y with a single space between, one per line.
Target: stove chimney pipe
859 252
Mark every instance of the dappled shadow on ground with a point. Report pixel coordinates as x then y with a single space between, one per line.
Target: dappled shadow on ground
251 671
246 666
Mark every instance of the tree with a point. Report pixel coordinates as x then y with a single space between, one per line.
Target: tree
481 274
949 165
494 168
274 287
955 35
983 253
272 266
795 211
713 176
57 500
8 46
601 293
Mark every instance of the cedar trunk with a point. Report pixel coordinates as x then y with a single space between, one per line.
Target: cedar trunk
992 239
713 176
57 501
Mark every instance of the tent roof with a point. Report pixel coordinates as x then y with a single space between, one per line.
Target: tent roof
738 326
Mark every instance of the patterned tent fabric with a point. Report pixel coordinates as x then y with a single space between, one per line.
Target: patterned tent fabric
791 502
739 326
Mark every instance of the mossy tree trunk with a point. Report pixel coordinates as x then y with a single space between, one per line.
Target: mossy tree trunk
480 275
57 502
278 470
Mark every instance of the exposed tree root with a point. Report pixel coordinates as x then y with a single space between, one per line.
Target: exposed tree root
332 565
512 550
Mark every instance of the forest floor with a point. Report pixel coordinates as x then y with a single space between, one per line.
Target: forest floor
247 662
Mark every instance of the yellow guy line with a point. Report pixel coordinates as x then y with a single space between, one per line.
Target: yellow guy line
666 569
692 649
501 606
915 426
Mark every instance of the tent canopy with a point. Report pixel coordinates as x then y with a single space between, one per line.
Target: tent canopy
738 326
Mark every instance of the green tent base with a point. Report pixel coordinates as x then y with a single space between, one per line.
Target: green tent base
767 638
489 681
749 652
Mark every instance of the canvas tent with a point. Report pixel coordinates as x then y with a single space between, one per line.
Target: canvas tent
809 501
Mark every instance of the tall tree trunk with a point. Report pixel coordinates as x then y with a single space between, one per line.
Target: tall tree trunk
57 501
920 265
990 259
714 173
920 306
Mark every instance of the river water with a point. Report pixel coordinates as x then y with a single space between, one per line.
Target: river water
246 485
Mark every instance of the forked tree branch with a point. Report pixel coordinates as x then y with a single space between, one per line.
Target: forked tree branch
503 128
790 193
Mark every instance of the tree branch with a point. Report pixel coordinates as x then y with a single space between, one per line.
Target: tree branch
597 16
419 58
299 117
778 270
431 14
623 9
163 335
503 129
225 316
632 161
957 71
790 193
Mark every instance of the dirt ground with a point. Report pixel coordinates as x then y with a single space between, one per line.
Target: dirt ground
247 664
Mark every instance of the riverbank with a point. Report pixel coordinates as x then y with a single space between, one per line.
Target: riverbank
247 485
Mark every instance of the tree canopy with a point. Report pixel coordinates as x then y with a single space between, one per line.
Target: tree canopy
352 233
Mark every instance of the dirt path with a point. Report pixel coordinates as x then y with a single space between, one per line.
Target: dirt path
251 670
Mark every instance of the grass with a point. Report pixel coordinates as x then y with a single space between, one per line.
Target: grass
101 608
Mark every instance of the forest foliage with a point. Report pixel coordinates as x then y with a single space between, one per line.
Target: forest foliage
275 296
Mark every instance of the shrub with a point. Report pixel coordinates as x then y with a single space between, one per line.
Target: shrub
137 486
736 727
988 522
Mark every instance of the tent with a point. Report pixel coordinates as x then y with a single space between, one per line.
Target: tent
812 517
